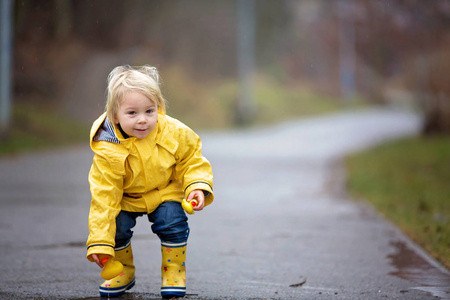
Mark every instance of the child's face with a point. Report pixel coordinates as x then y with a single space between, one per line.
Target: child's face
137 115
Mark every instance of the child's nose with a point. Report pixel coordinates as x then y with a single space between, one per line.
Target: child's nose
142 119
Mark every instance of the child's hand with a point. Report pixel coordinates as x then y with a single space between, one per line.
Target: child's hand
96 259
199 196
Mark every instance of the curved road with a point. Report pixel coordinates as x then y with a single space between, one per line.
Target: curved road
281 217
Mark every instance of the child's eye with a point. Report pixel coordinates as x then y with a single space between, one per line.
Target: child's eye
150 111
131 112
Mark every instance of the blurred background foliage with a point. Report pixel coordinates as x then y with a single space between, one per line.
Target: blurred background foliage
64 49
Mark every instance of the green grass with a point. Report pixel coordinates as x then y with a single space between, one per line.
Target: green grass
409 183
275 102
212 104
36 127
202 104
209 104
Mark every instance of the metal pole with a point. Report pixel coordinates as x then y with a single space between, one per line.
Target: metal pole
5 66
246 60
347 49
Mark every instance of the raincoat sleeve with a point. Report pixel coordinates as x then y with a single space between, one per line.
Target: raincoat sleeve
192 168
106 185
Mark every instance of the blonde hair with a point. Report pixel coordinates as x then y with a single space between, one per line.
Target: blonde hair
122 79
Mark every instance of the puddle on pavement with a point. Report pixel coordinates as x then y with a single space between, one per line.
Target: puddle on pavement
412 267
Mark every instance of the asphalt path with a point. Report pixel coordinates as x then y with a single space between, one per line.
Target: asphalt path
282 225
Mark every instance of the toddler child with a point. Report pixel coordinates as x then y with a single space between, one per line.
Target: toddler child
145 163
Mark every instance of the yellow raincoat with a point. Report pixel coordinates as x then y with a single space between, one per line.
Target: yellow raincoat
138 175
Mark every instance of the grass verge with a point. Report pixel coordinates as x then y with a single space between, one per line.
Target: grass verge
213 104
408 182
36 127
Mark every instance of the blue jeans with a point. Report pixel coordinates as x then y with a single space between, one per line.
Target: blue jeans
169 223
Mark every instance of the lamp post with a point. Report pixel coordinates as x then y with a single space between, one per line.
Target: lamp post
347 49
5 67
246 61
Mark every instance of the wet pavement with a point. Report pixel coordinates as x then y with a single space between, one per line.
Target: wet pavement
417 269
281 227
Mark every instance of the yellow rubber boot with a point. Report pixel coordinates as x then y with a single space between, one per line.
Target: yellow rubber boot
125 280
173 271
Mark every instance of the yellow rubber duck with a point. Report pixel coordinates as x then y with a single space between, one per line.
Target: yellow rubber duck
189 206
111 267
